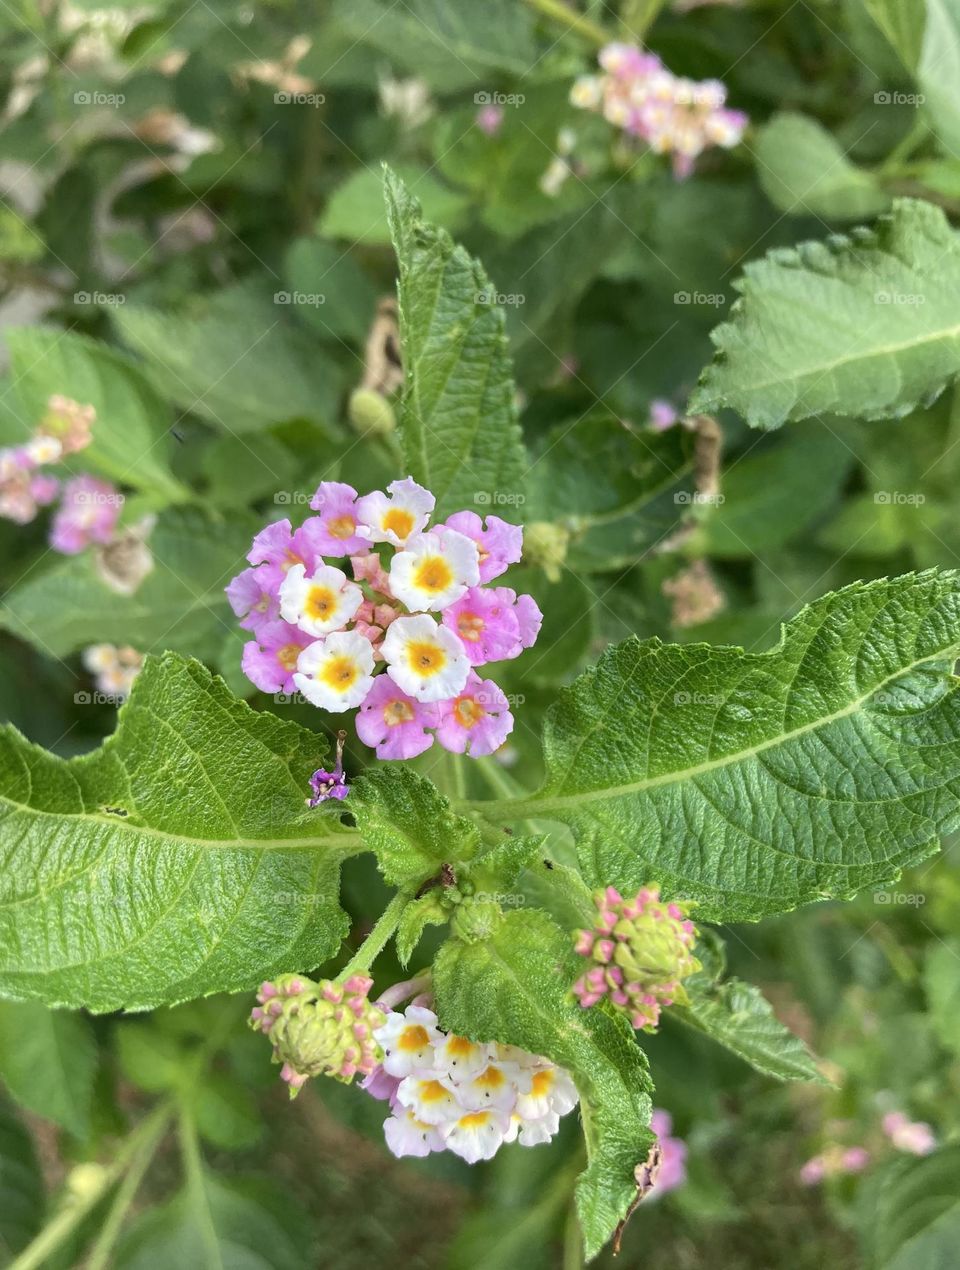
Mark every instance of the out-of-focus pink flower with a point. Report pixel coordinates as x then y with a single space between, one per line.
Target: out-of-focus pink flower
673 1168
88 513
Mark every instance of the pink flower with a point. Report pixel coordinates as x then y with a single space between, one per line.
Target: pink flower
490 119
44 489
281 548
393 723
335 529
663 415
253 599
88 513
914 1136
270 660
673 1169
369 568
477 721
493 624
500 544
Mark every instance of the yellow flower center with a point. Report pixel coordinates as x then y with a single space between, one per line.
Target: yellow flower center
542 1083
433 575
468 712
341 527
470 626
459 1045
290 558
340 672
492 1078
399 520
433 1091
321 603
413 1039
426 659
397 712
475 1120
287 656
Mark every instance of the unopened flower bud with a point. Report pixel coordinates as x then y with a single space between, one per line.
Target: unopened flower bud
545 546
370 411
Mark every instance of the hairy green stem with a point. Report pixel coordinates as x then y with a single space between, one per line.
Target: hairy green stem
561 12
73 1213
376 941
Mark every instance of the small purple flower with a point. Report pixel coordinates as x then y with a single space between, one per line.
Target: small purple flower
253 599
335 528
673 1169
333 784
500 544
88 513
492 624
394 723
281 547
663 415
477 721
270 660
44 489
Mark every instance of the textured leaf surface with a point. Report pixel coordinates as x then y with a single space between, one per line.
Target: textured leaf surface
756 782
460 433
513 986
175 861
22 1201
863 325
914 1220
48 1061
804 170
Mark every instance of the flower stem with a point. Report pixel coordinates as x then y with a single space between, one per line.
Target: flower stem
126 1193
561 12
376 941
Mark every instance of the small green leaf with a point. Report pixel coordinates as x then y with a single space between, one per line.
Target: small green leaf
514 987
941 980
428 910
407 823
22 1199
912 1221
754 782
803 170
863 325
48 1061
175 861
460 432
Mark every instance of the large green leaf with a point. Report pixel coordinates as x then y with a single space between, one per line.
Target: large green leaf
180 605
912 1218
803 170
757 782
938 69
460 432
902 22
48 1061
512 984
175 861
864 325
22 1200
131 434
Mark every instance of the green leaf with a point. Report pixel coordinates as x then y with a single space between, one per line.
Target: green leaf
22 1199
755 782
450 46
131 441
356 211
218 1224
738 1016
175 861
314 268
459 423
514 986
803 170
408 824
428 910
863 325
913 1221
180 605
243 363
226 1113
939 68
48 1061
941 980
903 25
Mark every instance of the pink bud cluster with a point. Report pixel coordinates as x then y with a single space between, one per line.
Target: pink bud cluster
641 950
417 608
675 116
319 1029
89 507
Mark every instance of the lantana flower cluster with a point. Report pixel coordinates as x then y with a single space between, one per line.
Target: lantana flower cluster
417 608
673 115
640 950
114 669
89 507
447 1093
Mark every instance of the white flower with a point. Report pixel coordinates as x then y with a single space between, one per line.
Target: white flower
319 604
431 1097
394 517
551 1090
496 1086
407 1041
43 449
434 569
100 657
424 659
533 1133
477 1135
406 1135
336 673
460 1057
